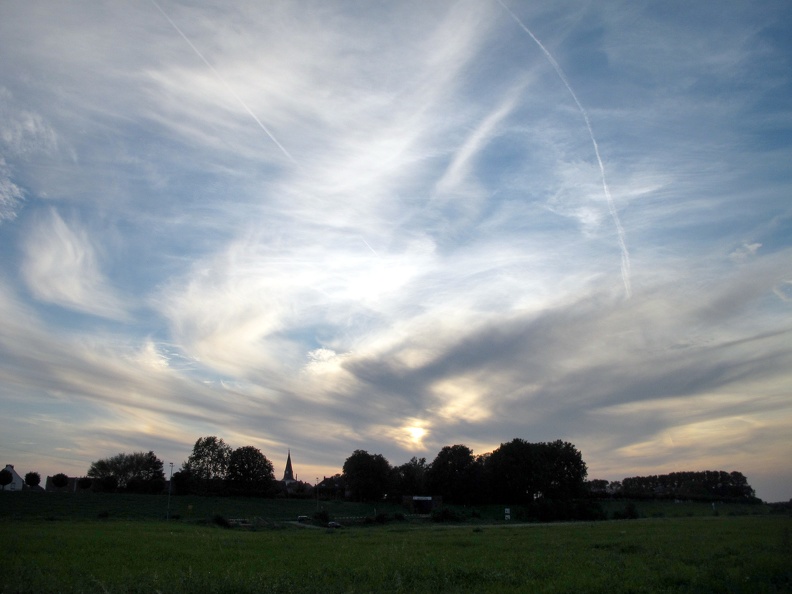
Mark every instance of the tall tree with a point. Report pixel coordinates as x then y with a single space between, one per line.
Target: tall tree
250 472
137 472
368 476
520 472
208 461
453 474
410 477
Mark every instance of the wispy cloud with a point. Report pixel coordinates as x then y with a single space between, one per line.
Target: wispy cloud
62 266
441 264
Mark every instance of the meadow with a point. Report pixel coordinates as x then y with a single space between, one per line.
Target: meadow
64 552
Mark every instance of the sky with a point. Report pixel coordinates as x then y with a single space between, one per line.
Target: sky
395 226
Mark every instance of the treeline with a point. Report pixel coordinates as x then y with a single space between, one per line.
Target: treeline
517 472
214 468
708 485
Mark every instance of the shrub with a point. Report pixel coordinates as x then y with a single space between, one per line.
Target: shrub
381 518
445 515
60 480
630 512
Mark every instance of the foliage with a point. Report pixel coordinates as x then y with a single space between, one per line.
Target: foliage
60 480
368 476
333 487
630 512
708 485
249 472
410 478
32 479
445 514
455 474
5 478
84 482
207 465
520 472
138 472
180 482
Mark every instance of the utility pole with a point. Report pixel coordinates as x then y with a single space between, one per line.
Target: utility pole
170 488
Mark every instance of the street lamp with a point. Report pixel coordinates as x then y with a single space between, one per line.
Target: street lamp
170 488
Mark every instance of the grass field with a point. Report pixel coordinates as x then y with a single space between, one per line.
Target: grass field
704 553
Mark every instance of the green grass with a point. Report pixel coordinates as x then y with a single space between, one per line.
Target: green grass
699 554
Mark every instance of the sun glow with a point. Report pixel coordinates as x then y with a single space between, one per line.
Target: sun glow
416 434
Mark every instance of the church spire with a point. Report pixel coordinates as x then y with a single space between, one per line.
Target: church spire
288 474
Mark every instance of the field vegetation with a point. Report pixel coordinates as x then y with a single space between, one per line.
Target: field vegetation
121 543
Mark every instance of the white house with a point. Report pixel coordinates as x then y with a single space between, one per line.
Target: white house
16 481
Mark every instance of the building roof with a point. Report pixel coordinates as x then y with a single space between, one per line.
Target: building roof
288 474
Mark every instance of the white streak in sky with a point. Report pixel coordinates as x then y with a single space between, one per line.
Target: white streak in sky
369 247
625 255
222 80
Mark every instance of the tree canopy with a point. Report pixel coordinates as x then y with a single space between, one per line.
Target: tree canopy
5 478
454 474
368 476
703 485
520 472
137 472
249 471
209 459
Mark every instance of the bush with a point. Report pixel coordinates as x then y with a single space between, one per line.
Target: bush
32 479
322 516
381 518
60 480
630 512
221 520
445 515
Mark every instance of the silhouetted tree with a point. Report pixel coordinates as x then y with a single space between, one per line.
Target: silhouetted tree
60 480
181 482
84 482
520 472
207 465
5 478
250 472
454 474
138 472
705 485
32 479
410 478
368 476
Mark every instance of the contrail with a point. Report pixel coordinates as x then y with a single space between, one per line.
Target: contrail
625 254
222 80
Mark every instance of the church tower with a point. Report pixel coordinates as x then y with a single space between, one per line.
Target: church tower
288 474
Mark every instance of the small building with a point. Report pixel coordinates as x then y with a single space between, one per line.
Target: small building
69 487
422 504
17 482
